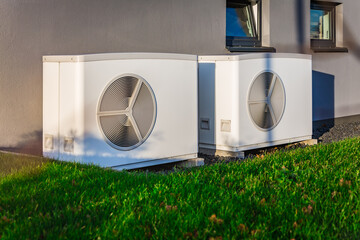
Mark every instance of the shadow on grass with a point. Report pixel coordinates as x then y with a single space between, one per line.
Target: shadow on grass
13 163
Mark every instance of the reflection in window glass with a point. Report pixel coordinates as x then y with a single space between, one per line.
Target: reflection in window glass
320 24
239 22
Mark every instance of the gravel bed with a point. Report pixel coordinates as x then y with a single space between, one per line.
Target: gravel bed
325 132
328 134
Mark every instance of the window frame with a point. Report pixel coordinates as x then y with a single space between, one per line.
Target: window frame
331 7
247 42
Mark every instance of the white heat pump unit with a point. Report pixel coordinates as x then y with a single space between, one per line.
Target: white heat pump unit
120 110
252 101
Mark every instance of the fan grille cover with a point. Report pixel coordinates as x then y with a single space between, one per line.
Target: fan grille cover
266 100
127 112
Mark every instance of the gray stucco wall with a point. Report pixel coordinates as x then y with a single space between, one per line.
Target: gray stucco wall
344 67
30 29
290 25
336 76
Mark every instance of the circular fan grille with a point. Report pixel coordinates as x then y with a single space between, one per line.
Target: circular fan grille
126 112
266 100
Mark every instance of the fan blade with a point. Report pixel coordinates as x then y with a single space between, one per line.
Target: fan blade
278 99
272 114
117 132
118 93
144 110
257 112
135 94
267 119
272 84
259 88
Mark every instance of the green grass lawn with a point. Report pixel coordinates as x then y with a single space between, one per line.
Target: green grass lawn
310 192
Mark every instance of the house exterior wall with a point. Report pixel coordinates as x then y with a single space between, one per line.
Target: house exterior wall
30 29
336 81
343 67
290 25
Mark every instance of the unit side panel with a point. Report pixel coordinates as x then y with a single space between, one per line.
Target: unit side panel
51 110
79 104
207 103
248 133
297 79
236 95
224 97
70 111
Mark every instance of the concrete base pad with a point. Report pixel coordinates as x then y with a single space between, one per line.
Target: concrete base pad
241 154
196 162
309 142
222 153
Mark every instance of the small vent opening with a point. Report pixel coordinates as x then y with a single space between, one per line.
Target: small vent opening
205 123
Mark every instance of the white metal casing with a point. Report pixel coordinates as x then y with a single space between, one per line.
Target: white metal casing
72 87
224 84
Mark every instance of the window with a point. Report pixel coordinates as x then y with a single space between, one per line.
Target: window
243 23
322 29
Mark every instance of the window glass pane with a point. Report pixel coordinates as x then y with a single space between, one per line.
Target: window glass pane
239 22
255 13
320 24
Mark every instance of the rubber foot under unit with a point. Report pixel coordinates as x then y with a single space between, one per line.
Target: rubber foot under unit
310 142
196 162
222 153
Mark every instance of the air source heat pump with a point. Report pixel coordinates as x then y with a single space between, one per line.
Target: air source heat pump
125 110
253 100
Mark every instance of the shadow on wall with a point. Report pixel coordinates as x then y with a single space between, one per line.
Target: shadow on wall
268 67
300 25
207 124
31 143
323 95
351 41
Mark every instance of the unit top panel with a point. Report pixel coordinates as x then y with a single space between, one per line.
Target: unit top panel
246 56
118 56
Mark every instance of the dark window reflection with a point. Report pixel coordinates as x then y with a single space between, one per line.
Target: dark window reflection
320 24
239 22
